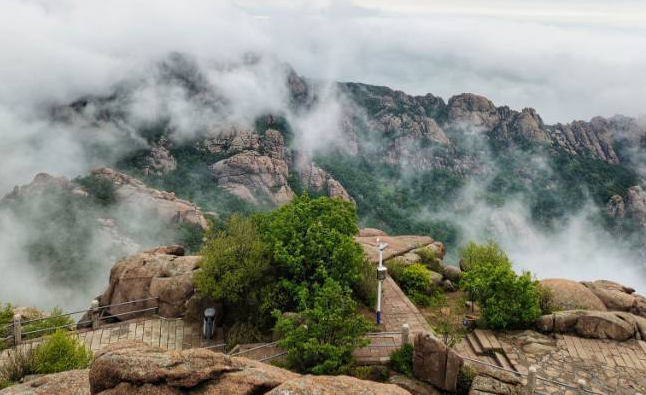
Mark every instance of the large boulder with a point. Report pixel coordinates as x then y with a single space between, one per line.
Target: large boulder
600 325
571 295
73 382
159 273
131 367
397 245
334 385
435 363
614 325
618 297
316 179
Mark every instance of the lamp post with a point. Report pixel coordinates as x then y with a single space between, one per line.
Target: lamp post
381 276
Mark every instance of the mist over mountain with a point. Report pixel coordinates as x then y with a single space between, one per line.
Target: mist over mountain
563 199
116 117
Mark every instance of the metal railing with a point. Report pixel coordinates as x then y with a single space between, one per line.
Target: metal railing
95 311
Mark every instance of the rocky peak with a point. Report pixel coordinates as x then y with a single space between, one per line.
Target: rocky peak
470 110
159 160
631 207
259 169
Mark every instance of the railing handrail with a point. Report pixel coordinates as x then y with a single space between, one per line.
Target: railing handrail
128 302
128 312
53 316
254 348
560 383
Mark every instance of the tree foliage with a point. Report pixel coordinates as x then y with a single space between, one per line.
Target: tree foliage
310 241
506 299
320 338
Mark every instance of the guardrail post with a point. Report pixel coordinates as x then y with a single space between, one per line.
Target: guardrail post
95 313
531 380
17 329
405 334
582 386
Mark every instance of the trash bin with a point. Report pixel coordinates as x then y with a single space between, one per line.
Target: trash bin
208 326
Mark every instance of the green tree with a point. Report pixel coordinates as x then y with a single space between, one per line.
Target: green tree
476 254
321 338
311 240
236 267
506 299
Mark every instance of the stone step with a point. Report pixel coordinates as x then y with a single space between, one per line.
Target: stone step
488 341
502 360
475 344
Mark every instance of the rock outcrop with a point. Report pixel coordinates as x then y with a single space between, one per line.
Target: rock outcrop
254 178
259 167
435 363
160 273
159 161
132 367
618 297
397 245
73 382
614 325
316 179
134 195
571 295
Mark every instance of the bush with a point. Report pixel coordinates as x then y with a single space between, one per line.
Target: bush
242 333
396 268
321 338
60 352
366 288
474 254
101 189
506 300
401 360
465 378
18 364
546 299
235 267
311 240
417 283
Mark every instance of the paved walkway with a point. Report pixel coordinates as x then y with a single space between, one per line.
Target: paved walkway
396 310
609 366
169 334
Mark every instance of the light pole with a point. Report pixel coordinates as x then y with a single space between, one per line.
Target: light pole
381 276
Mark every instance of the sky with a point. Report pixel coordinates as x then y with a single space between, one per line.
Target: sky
569 59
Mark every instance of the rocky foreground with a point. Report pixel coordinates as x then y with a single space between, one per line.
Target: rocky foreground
134 368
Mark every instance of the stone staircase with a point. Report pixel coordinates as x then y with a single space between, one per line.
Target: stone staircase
484 346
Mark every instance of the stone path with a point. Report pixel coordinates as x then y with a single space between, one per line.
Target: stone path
396 310
609 366
169 334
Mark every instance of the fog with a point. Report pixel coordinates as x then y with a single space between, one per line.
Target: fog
568 63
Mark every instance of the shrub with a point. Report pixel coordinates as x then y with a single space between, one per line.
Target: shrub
241 333
60 352
465 378
451 332
474 254
395 268
311 240
235 267
401 360
546 299
18 364
101 189
366 288
321 338
506 300
416 280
